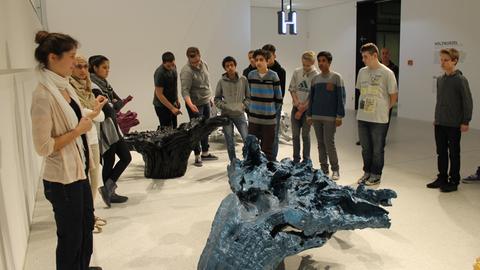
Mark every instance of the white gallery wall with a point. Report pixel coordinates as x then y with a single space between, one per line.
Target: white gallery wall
318 29
422 24
19 165
133 35
334 29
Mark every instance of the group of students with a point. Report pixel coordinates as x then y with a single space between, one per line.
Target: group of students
257 93
233 96
74 124
318 100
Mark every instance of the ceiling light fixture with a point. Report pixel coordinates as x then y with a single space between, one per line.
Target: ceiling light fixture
283 22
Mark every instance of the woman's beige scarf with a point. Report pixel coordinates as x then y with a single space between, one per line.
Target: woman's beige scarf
83 88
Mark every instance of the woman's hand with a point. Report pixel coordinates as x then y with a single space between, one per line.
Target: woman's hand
100 101
84 125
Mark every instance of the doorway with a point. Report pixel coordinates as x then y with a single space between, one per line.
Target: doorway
378 21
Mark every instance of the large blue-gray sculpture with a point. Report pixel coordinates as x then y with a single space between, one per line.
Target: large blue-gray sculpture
166 151
278 209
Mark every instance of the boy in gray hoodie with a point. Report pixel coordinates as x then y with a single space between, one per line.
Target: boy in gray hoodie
194 79
231 97
453 113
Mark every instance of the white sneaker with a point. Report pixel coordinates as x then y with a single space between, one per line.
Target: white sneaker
198 162
335 175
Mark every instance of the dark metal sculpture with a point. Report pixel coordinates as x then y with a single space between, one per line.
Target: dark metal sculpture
278 209
166 152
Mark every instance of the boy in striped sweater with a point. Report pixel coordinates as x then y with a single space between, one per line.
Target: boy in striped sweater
265 99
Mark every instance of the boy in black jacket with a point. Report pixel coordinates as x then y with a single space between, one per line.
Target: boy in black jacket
453 113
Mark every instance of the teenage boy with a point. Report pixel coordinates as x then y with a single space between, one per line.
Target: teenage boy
327 108
275 66
300 90
265 101
165 100
252 64
231 97
453 113
197 95
378 94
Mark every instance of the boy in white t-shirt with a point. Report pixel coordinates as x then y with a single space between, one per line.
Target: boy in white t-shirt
378 93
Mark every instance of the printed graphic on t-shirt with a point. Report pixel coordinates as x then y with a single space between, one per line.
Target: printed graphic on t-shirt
375 87
330 87
369 98
303 86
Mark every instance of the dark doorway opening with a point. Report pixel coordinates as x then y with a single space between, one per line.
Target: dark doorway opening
378 21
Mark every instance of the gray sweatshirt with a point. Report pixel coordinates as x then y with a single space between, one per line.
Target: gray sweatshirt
454 100
195 83
231 96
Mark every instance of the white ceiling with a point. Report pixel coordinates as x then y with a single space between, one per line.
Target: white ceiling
297 4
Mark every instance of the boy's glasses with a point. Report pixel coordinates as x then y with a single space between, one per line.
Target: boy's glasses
80 66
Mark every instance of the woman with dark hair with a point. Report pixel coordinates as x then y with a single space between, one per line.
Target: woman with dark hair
112 142
59 135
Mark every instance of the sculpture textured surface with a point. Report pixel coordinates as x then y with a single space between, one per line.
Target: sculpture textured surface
278 209
166 152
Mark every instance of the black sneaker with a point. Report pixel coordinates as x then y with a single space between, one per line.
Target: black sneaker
438 183
449 187
326 172
209 157
118 198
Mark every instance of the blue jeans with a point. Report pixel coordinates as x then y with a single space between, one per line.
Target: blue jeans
203 110
241 123
300 126
277 127
372 139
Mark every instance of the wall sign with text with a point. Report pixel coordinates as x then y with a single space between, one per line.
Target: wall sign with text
439 45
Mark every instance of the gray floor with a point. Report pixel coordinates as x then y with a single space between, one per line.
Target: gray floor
166 223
